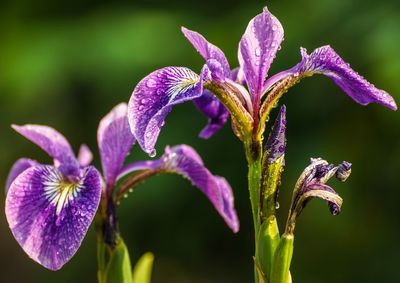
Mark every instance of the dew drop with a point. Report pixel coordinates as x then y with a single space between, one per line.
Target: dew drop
141 107
273 44
253 28
151 83
258 52
277 205
258 63
274 27
143 101
152 153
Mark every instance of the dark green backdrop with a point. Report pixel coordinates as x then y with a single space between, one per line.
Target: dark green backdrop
66 64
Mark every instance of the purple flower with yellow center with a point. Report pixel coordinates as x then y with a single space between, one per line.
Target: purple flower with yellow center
219 90
49 208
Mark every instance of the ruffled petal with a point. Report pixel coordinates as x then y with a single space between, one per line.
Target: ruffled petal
115 141
326 61
54 143
19 166
216 112
153 99
207 50
85 156
48 215
184 160
257 50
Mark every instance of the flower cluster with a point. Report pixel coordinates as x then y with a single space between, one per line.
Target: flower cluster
49 207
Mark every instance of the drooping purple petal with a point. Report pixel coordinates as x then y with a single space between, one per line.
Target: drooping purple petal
54 143
321 191
19 166
180 159
276 142
257 50
184 160
326 61
216 112
115 141
153 99
49 216
85 156
207 50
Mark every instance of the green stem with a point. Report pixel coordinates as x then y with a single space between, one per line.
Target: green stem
254 157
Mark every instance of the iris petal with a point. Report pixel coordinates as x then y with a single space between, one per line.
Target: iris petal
18 167
48 215
217 114
153 99
184 160
85 156
257 50
326 61
54 143
207 50
115 141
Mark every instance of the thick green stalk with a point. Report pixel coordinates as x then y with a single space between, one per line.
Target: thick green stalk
254 157
254 177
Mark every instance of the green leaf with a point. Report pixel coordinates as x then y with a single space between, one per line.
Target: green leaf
118 269
143 268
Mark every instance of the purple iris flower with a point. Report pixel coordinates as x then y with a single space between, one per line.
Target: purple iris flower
154 97
49 207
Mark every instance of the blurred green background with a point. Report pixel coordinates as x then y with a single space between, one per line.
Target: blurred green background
67 63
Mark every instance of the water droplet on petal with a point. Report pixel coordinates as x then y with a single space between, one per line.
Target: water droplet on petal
274 27
258 52
143 101
151 83
277 205
152 153
141 107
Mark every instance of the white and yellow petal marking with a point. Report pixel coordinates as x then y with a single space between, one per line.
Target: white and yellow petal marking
60 191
